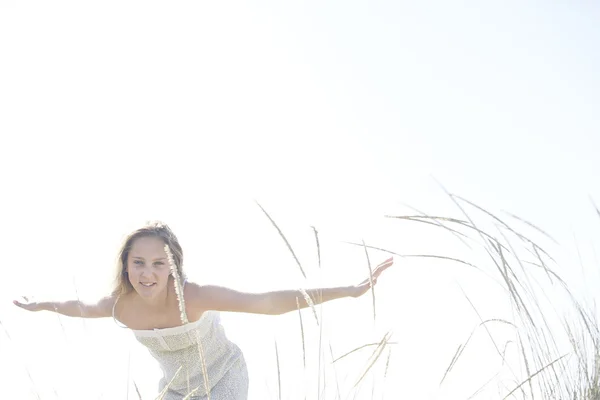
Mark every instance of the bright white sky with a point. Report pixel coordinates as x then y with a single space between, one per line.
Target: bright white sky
329 115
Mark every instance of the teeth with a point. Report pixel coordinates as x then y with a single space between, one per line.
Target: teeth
146 284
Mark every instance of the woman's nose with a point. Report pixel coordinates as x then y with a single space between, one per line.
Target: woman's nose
146 273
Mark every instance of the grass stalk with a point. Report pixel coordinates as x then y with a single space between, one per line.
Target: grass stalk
374 357
184 319
278 372
370 279
287 243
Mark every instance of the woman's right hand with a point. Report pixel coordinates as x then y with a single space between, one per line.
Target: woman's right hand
27 303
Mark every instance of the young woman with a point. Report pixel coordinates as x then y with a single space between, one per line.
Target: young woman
188 342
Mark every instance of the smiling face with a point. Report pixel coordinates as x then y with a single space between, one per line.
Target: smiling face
142 260
148 267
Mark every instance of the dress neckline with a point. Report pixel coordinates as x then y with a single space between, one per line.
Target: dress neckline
173 329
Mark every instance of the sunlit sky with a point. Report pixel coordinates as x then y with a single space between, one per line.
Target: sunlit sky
328 115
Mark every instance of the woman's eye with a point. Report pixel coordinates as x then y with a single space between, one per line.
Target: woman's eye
138 262
160 263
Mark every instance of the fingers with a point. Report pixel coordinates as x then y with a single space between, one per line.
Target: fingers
22 302
387 262
383 266
377 271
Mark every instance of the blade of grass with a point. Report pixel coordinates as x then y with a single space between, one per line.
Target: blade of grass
301 334
83 323
504 224
337 382
527 368
595 206
359 348
278 371
163 393
370 279
532 226
427 256
318 245
514 295
289 246
320 350
427 217
373 247
203 364
455 357
137 391
504 272
387 363
423 219
311 303
506 347
320 357
484 324
483 386
533 376
284 239
472 225
459 235
374 357
385 372
462 347
184 320
191 394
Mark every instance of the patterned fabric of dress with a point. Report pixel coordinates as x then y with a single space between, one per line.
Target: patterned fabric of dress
179 347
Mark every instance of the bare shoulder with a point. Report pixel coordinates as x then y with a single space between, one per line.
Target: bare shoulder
219 298
194 295
123 305
203 297
195 292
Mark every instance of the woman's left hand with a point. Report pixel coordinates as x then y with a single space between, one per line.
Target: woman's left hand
365 285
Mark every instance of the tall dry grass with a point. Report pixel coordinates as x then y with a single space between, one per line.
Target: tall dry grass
515 261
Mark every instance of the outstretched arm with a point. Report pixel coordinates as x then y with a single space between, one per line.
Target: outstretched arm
275 302
71 308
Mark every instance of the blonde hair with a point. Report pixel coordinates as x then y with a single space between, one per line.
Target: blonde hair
151 229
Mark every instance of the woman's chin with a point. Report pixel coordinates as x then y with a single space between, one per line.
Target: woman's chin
147 291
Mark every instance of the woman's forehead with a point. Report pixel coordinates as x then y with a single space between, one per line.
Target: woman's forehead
148 244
